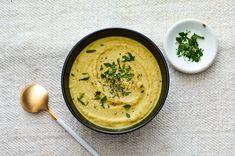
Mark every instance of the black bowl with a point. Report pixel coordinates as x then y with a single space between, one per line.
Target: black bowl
105 33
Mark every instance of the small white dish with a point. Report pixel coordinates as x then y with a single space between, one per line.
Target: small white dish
209 44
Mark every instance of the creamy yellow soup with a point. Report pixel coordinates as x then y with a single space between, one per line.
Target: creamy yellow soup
115 82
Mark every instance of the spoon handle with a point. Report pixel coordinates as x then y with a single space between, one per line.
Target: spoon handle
77 137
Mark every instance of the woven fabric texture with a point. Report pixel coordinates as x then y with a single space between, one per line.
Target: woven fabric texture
198 117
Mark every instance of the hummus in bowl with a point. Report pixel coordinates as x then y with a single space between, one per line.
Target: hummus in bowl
115 80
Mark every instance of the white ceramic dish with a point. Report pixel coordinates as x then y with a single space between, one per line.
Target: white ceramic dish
209 44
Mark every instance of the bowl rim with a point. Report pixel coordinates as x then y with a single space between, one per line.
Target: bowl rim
63 74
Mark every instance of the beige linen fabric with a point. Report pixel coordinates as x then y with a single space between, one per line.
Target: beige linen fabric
198 117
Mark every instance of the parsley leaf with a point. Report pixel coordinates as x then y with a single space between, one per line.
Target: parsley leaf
188 47
97 95
85 76
103 101
80 98
128 115
90 51
127 106
128 58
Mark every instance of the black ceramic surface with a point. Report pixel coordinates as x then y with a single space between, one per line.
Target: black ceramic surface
105 33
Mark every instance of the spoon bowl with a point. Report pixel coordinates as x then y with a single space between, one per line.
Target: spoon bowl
34 98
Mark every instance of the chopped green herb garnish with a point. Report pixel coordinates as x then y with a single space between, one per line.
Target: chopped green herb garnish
82 95
118 62
81 101
126 93
101 45
103 101
127 106
128 58
90 50
85 76
188 46
80 98
128 115
97 98
128 76
97 95
115 75
112 66
102 76
72 74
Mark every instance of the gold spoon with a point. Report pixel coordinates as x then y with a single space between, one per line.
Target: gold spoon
34 98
